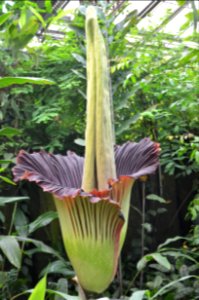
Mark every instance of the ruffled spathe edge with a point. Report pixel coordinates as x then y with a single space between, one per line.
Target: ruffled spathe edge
62 175
57 174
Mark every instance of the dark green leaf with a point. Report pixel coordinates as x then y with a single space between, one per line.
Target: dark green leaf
5 162
156 198
59 267
4 18
163 261
171 240
42 220
40 246
8 81
147 227
9 132
5 200
159 258
170 285
10 248
21 222
2 217
7 180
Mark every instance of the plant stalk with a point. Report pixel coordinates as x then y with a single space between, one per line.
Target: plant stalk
143 229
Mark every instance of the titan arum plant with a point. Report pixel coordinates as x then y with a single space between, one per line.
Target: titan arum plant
92 194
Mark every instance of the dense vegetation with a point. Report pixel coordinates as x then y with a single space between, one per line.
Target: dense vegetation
155 94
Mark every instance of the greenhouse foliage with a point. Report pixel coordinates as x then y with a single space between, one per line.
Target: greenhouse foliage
43 104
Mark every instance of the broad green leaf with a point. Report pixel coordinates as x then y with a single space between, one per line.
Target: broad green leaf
23 18
7 180
38 15
177 254
18 39
9 131
2 217
42 220
160 259
4 18
138 295
39 291
171 240
191 56
21 222
8 81
156 198
142 263
171 285
5 162
157 282
147 227
163 261
58 267
5 200
197 157
10 248
160 210
40 246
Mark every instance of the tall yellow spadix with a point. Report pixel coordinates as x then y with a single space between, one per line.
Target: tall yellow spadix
99 157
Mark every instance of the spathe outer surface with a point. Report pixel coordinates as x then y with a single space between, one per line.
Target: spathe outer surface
92 212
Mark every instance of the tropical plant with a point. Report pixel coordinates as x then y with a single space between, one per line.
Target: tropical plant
92 195
171 273
155 91
18 246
